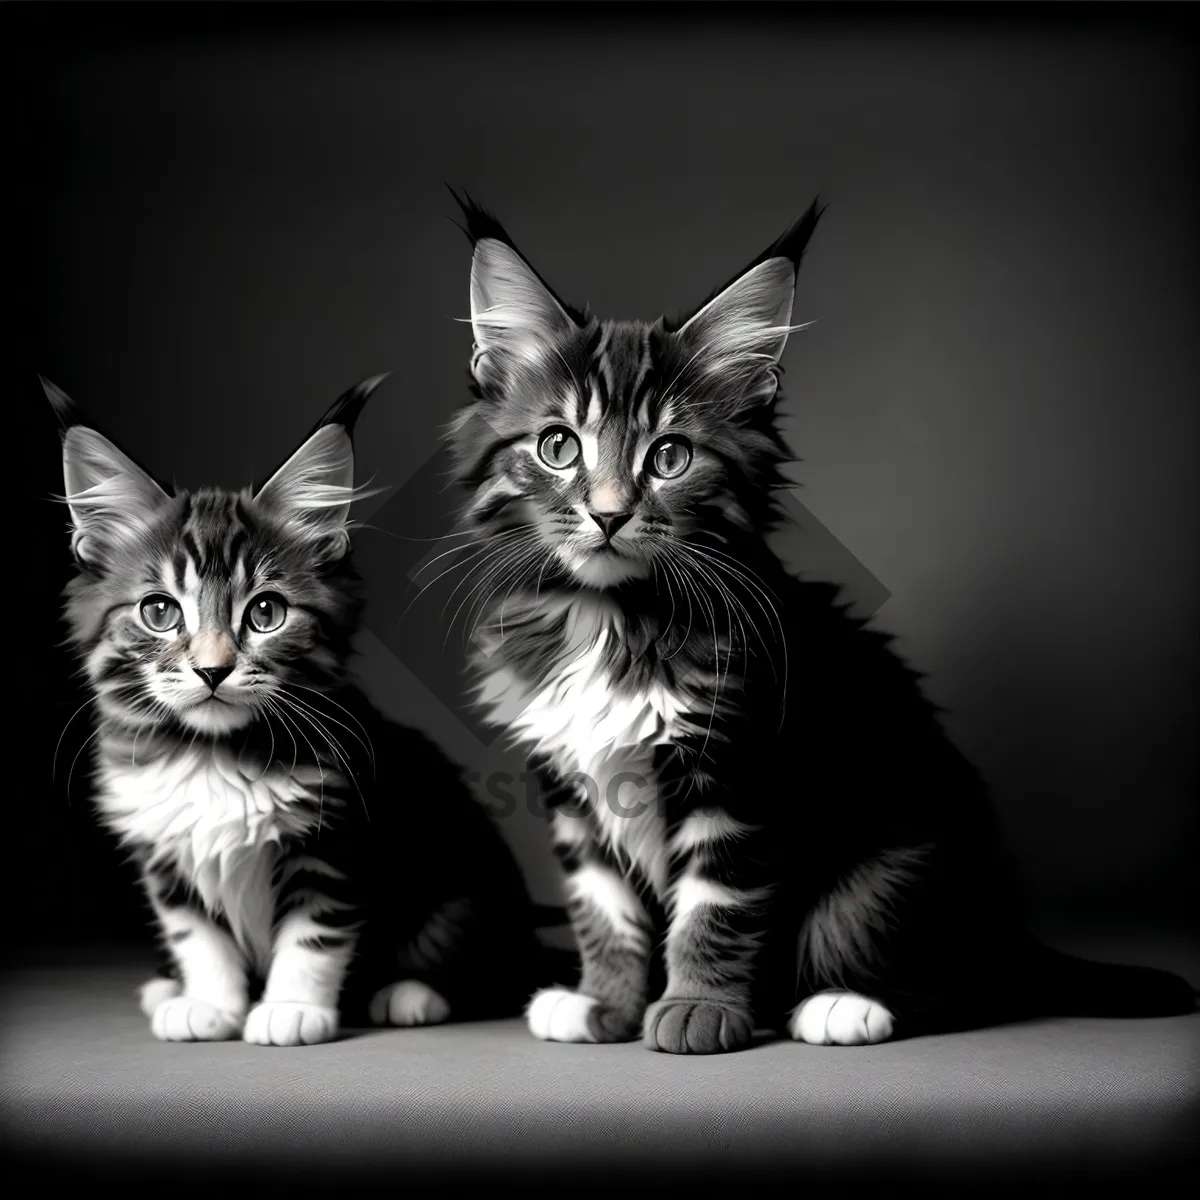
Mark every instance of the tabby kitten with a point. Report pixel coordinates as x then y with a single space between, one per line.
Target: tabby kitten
307 861
760 819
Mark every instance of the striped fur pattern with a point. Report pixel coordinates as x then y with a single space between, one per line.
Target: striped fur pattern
758 816
306 861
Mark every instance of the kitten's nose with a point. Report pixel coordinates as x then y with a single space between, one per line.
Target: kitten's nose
610 522
213 675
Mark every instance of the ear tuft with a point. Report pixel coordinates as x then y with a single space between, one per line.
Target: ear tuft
514 311
790 245
793 242
480 223
347 408
62 404
310 495
741 332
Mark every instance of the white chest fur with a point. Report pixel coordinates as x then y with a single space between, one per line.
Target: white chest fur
597 735
217 822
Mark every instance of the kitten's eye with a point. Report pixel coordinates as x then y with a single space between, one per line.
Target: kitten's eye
669 458
161 613
266 613
558 447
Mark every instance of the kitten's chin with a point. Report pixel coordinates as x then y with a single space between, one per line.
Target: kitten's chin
606 570
215 717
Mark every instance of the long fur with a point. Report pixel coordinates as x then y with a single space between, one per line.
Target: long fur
297 849
740 765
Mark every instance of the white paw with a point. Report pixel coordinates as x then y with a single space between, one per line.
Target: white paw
288 1023
556 1015
154 991
840 1019
409 1002
179 1019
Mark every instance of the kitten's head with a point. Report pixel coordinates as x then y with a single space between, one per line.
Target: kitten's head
600 450
201 611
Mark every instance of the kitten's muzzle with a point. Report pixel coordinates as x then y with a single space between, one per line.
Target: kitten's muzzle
213 675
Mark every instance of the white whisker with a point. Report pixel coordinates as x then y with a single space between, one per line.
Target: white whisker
58 744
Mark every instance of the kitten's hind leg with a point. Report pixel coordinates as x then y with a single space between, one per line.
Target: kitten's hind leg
839 1018
428 979
878 949
155 991
408 1002
164 984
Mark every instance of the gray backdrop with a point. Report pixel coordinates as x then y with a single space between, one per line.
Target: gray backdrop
995 408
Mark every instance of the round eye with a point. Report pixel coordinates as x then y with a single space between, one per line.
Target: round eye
669 458
161 613
266 613
558 447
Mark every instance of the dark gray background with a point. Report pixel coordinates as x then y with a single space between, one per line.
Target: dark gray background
996 407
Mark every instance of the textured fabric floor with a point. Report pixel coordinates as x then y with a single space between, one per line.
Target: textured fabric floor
82 1081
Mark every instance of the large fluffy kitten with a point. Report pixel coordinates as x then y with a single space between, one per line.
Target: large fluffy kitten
748 778
289 837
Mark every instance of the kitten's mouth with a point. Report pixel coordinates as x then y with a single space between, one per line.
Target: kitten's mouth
606 566
217 715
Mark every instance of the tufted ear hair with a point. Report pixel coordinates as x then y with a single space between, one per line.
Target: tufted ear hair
514 312
741 331
311 493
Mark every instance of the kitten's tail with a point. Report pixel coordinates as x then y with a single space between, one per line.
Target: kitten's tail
1063 985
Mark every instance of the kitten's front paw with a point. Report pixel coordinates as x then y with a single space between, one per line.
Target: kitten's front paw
697 1027
179 1019
840 1019
557 1015
287 1023
409 1002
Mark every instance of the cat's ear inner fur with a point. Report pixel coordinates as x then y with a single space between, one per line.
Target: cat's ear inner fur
109 496
748 321
515 314
311 493
511 312
740 332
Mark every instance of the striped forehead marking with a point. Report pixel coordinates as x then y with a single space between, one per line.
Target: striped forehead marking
214 535
618 371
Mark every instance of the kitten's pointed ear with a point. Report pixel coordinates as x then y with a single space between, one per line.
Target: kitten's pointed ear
514 312
109 496
311 494
743 328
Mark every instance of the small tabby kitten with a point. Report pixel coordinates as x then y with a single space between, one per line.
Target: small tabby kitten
288 836
759 816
